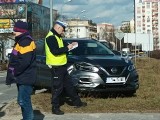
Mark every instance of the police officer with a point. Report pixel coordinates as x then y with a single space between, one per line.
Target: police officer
56 59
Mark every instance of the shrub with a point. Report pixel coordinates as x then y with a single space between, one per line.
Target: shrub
155 54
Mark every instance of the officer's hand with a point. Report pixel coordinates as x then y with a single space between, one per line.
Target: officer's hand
74 43
70 46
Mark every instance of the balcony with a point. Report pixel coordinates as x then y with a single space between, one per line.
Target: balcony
156 37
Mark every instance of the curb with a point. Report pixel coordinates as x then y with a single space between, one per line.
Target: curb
2 71
5 106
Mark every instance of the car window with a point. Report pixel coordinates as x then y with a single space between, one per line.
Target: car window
40 47
90 48
105 43
91 45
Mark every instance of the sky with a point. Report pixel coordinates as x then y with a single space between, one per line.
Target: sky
99 11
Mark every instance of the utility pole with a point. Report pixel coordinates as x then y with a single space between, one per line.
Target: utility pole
135 28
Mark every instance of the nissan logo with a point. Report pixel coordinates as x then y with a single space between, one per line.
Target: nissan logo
114 70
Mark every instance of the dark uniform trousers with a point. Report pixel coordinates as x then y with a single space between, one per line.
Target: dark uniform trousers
62 81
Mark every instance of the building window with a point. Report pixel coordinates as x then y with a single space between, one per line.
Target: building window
148 19
148 31
78 30
139 17
138 23
138 10
148 5
138 30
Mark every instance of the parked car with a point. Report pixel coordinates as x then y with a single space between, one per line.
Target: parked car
93 67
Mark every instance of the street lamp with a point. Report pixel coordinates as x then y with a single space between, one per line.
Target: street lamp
51 13
77 20
64 3
135 30
81 13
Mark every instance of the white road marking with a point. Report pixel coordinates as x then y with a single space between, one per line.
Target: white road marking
1 93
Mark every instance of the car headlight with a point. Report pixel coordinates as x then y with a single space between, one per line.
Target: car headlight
83 66
131 67
70 68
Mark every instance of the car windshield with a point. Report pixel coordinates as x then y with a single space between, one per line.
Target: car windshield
89 47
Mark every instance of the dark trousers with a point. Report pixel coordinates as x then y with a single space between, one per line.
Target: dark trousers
62 81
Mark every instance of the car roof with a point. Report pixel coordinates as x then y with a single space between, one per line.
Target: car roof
79 39
104 41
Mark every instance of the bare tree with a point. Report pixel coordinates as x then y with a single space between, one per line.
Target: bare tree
126 29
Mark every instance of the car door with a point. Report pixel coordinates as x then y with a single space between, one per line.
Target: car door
43 71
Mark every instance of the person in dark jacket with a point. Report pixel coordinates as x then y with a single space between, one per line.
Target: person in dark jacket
22 68
56 59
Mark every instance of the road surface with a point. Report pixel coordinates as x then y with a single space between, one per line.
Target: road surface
6 93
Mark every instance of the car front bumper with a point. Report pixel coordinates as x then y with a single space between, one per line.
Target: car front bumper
88 81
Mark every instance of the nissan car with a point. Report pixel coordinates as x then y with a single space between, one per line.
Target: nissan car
92 67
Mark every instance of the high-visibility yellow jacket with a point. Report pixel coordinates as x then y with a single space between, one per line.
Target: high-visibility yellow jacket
51 59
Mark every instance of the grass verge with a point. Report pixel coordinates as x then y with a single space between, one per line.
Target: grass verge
147 98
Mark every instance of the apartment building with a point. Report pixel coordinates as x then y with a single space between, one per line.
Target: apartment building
78 28
128 26
147 19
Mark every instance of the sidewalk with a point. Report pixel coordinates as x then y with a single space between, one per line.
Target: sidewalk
92 116
12 112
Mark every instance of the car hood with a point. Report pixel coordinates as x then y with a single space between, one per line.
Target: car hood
101 60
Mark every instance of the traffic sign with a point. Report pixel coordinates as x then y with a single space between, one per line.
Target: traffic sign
119 34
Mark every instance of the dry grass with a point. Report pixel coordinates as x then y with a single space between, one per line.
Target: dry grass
147 98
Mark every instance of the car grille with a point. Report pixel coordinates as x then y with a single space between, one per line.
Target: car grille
115 70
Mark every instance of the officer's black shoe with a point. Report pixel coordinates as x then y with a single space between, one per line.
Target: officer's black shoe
57 112
82 104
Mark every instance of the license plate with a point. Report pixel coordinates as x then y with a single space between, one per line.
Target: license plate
115 80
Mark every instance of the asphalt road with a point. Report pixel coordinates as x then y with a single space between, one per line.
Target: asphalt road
6 93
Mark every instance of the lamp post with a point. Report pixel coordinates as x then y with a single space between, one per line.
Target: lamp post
64 3
135 30
77 20
51 13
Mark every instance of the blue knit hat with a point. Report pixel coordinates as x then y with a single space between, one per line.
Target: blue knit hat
20 26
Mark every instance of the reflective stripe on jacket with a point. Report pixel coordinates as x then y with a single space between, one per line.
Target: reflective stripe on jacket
52 59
